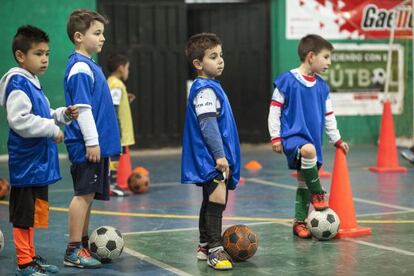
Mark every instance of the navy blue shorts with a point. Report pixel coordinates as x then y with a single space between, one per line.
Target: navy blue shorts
91 178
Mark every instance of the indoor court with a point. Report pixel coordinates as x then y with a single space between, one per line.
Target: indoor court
160 227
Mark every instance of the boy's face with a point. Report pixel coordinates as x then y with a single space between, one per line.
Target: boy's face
124 70
321 62
36 60
93 40
212 64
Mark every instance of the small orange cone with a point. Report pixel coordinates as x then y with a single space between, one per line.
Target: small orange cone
340 199
124 169
387 158
253 165
322 173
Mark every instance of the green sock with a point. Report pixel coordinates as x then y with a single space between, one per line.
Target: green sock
302 203
312 180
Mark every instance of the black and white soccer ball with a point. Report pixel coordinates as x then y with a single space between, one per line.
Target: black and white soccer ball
324 225
106 243
1 241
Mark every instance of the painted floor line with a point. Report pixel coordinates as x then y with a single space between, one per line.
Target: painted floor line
225 218
155 262
188 229
388 248
385 213
290 187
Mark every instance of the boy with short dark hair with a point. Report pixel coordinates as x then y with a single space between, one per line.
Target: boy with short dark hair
211 147
299 111
33 154
94 137
118 68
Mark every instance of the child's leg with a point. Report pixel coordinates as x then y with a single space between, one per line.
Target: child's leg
302 199
79 210
21 238
310 173
202 249
85 235
217 199
31 242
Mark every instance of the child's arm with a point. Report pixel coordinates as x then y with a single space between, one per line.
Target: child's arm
206 109
332 129
64 115
25 123
90 134
273 120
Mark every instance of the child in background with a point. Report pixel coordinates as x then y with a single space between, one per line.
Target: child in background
33 153
211 147
94 137
299 111
118 68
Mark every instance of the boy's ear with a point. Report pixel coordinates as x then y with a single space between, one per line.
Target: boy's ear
310 56
77 37
19 56
197 64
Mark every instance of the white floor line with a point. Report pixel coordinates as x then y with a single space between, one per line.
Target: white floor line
389 248
385 213
290 187
155 262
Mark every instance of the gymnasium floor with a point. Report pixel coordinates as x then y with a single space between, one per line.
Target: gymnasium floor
160 227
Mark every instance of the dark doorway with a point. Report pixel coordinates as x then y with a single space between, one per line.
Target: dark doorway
245 32
153 35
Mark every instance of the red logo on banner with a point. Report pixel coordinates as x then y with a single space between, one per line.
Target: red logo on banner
374 18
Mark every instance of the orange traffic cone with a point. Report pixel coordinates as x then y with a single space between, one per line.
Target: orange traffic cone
387 158
340 199
322 173
124 169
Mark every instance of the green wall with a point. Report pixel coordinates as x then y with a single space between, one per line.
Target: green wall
51 16
355 129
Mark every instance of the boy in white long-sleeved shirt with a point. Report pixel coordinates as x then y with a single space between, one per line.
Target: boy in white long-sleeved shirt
33 155
94 137
299 111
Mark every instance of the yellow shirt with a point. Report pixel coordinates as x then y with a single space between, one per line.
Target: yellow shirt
120 99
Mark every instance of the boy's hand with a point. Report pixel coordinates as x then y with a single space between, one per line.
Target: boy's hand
72 112
59 138
344 146
131 97
277 147
93 153
223 166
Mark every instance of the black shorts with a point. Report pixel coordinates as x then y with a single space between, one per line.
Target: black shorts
91 178
29 207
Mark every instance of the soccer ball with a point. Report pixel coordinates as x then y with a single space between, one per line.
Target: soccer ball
106 243
240 241
1 241
4 188
138 183
324 224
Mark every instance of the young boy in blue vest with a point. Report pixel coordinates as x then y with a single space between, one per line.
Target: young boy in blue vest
94 137
33 154
211 147
299 111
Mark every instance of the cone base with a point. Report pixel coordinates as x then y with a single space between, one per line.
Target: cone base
396 169
353 232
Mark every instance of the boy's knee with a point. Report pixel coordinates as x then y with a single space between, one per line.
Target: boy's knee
308 151
219 194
